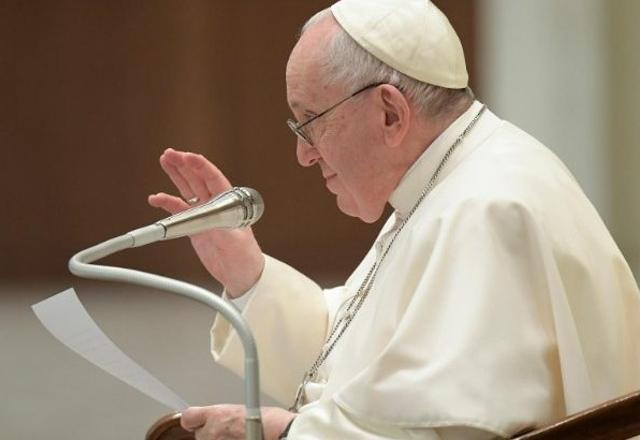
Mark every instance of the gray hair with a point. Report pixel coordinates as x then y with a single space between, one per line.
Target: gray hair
347 63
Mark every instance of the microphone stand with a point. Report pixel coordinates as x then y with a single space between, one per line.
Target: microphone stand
80 265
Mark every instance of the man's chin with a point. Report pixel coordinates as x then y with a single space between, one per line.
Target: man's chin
350 208
346 206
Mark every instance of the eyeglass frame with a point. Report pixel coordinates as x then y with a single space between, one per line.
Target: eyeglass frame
296 127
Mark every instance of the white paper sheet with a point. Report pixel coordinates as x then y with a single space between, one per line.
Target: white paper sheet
65 317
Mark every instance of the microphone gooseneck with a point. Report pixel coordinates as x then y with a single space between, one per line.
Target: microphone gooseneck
235 208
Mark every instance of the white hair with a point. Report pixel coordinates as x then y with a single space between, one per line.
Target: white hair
347 63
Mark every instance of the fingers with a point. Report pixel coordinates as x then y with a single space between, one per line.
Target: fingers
196 183
215 422
169 203
193 418
170 161
213 178
193 174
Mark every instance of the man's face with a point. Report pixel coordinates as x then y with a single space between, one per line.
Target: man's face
344 140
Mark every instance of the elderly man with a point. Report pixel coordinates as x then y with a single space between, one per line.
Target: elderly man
493 300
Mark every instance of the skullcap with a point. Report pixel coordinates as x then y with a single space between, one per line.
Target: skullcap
412 36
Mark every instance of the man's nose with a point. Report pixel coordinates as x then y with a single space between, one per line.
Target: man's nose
307 154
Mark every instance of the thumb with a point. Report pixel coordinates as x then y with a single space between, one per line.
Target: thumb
193 418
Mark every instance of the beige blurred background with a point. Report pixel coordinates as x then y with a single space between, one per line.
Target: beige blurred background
92 92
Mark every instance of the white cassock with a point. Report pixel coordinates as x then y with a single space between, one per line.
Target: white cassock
504 304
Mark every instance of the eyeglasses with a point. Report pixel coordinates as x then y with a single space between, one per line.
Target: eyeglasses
296 127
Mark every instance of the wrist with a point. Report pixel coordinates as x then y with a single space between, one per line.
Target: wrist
237 289
285 433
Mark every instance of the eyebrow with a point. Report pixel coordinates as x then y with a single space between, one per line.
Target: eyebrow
296 105
306 112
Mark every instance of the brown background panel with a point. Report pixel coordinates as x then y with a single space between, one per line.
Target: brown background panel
92 92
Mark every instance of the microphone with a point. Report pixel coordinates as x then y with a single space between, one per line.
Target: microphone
237 207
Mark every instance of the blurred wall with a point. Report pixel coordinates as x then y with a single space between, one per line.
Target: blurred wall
624 145
567 71
90 95
93 92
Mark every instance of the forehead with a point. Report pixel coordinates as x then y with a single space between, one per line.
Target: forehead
302 83
304 68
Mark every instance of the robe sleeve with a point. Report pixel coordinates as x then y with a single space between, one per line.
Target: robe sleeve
336 423
288 317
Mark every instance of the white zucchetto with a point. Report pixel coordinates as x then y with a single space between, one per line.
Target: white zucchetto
412 36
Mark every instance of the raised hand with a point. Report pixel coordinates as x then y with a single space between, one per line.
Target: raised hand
226 422
233 257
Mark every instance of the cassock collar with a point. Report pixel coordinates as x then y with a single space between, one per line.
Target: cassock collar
416 178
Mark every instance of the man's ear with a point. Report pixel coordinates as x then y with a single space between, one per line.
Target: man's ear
397 115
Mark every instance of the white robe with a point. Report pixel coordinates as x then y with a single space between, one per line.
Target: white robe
504 304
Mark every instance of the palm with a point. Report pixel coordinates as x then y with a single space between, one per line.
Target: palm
235 245
233 257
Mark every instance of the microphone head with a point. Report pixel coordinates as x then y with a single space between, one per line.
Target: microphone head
252 202
235 208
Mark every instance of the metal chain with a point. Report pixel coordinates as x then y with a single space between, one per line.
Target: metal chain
356 301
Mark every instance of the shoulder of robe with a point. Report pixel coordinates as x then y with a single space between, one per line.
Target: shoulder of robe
511 176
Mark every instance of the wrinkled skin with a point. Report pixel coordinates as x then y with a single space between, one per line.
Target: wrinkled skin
233 257
351 143
226 422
